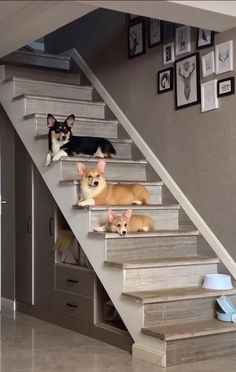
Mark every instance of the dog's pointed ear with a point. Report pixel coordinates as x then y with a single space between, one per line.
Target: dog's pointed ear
70 120
101 166
127 214
50 120
111 215
81 168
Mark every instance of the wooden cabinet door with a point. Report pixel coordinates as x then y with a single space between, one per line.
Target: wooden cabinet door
43 241
23 223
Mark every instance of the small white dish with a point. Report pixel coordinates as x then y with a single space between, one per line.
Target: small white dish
217 281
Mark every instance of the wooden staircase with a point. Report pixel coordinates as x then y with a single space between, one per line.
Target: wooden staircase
155 278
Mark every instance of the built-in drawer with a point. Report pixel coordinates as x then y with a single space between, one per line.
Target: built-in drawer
75 279
74 306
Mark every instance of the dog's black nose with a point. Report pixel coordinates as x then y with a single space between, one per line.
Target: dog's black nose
63 137
95 183
124 232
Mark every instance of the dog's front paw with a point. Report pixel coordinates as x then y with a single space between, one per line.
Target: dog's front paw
58 155
48 160
82 203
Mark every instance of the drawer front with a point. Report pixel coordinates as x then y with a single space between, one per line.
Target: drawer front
76 279
74 306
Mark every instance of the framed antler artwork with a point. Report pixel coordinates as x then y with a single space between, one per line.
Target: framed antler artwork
224 57
187 81
136 39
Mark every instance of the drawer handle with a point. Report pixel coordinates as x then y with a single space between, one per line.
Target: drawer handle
71 305
72 281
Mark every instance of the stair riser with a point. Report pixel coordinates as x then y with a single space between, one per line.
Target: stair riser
38 73
119 249
82 128
82 109
166 277
155 196
73 92
197 309
114 171
37 60
165 219
200 348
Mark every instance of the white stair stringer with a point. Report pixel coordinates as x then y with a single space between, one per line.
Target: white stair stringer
151 348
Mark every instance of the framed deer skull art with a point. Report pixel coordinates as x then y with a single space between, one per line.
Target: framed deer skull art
224 57
187 81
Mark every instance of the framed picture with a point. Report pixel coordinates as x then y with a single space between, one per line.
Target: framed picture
168 31
208 64
205 38
154 32
225 87
209 100
182 40
131 17
168 53
136 39
224 57
187 81
165 80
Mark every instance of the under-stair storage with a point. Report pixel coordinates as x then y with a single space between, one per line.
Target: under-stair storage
145 287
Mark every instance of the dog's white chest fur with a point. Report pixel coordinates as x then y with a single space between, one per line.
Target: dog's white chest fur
56 145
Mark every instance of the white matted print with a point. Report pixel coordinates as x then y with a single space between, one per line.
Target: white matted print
182 40
208 64
224 57
209 100
168 53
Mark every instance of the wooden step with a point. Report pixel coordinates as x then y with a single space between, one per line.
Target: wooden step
158 244
51 89
62 106
37 58
162 262
175 294
82 126
116 169
40 73
190 330
179 305
165 216
158 275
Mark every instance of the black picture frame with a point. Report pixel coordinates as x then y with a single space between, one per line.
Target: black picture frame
168 32
133 17
168 75
183 87
232 86
207 44
152 43
138 29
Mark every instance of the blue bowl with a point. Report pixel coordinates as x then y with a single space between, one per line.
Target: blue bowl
226 305
226 317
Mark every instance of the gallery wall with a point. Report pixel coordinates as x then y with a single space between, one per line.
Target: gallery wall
198 149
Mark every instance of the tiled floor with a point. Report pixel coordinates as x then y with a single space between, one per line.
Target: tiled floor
31 345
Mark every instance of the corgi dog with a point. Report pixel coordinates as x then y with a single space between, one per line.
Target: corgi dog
126 222
96 191
61 142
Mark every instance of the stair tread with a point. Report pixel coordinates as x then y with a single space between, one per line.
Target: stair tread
134 207
145 183
15 78
189 330
77 118
58 99
92 160
39 54
162 262
188 231
113 140
175 294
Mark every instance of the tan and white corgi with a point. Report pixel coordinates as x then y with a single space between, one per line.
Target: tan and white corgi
96 191
126 222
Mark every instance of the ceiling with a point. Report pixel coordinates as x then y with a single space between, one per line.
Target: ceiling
22 22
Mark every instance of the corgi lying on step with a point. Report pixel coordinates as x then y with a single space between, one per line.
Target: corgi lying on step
126 222
61 142
96 191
